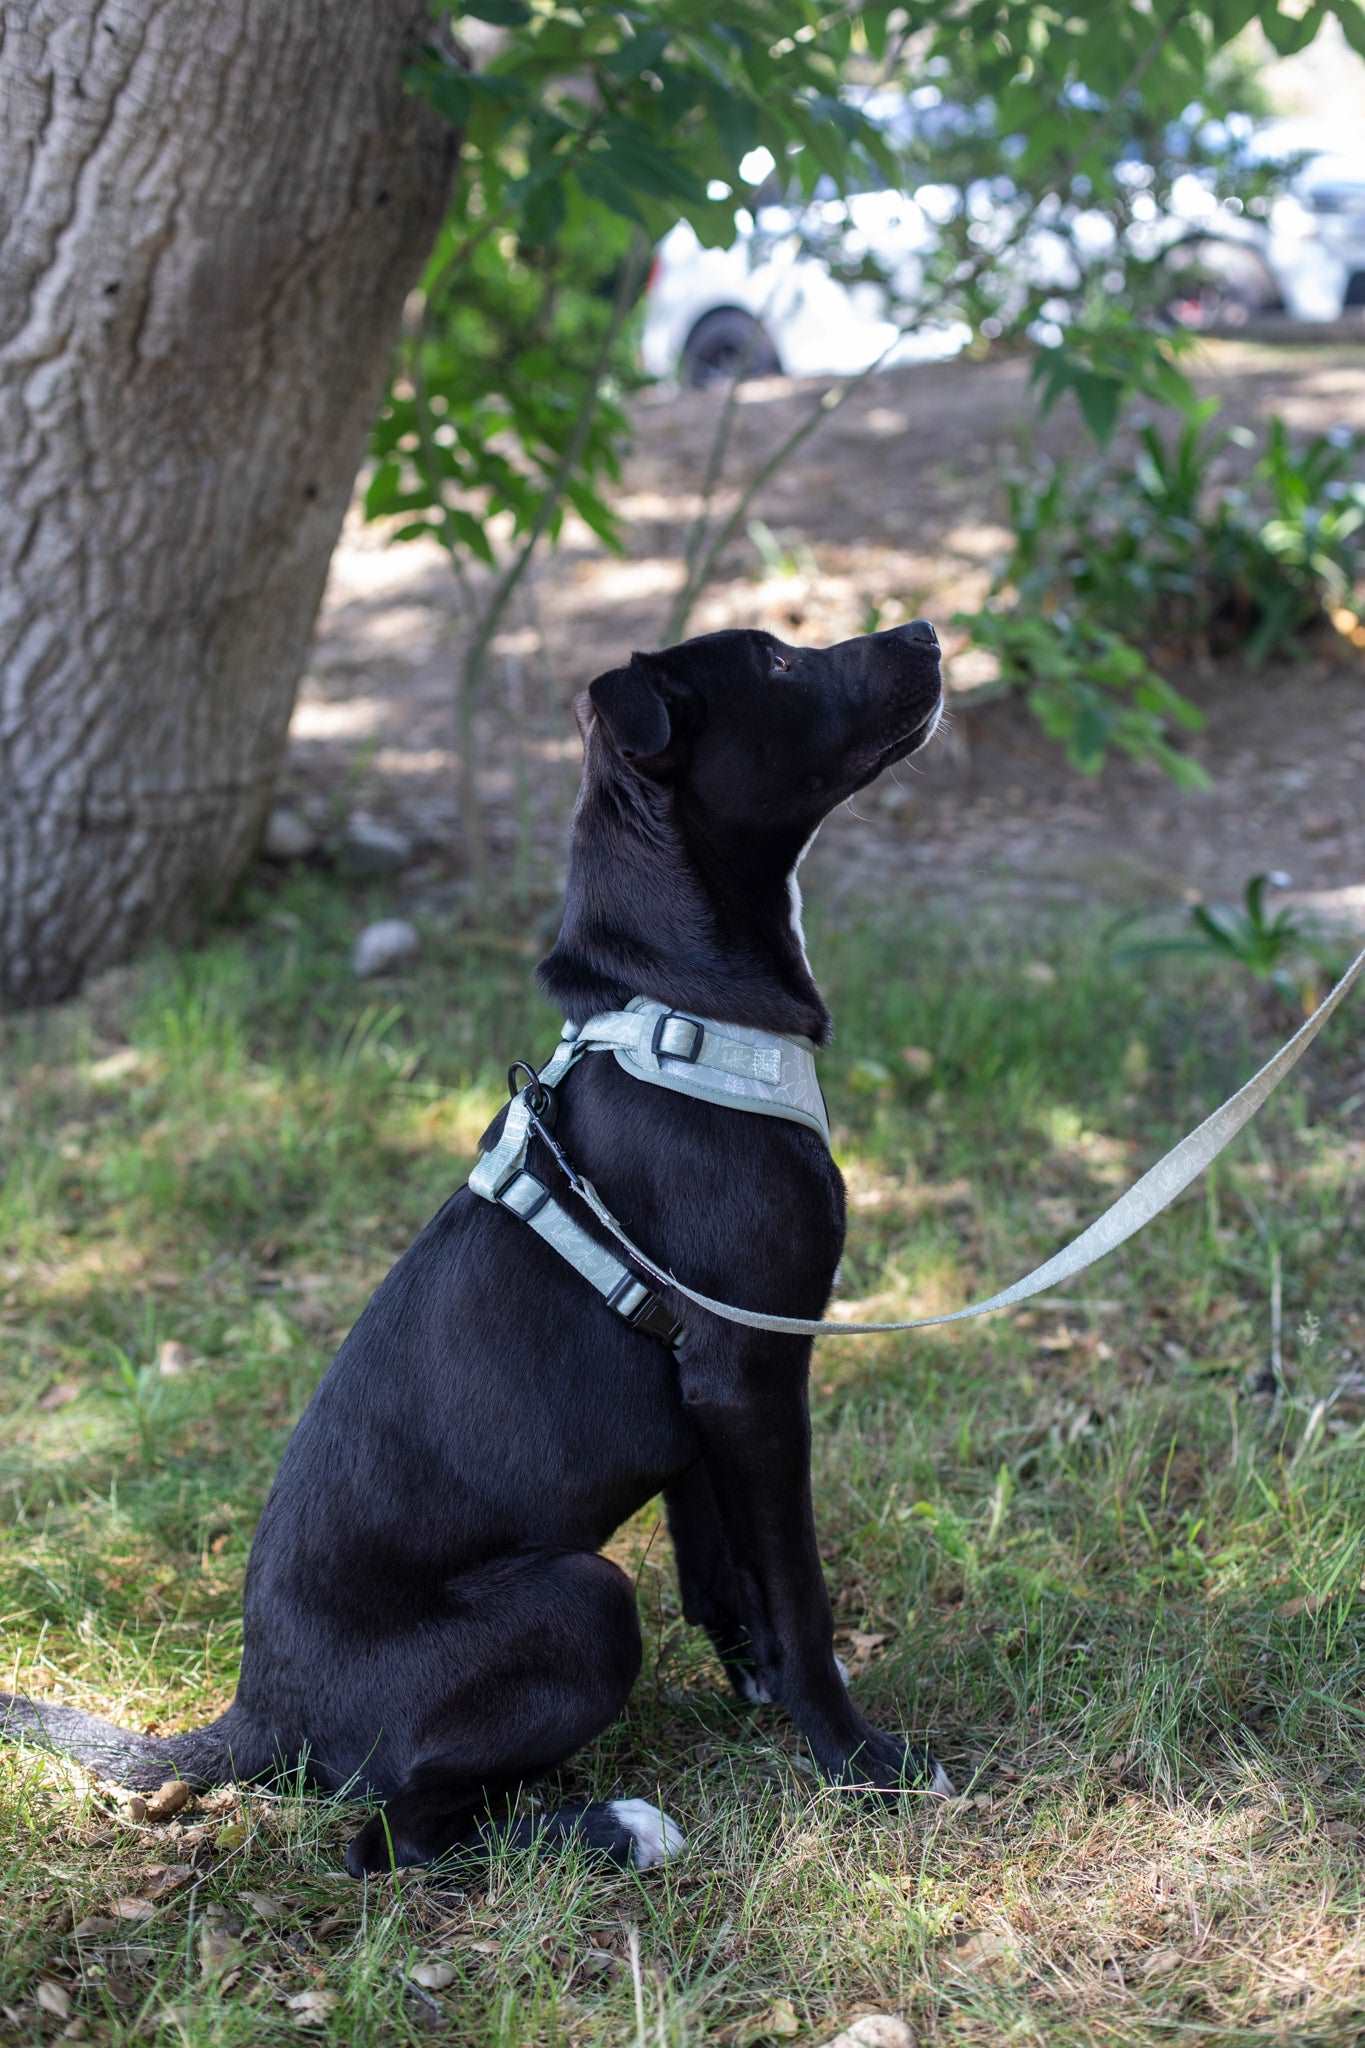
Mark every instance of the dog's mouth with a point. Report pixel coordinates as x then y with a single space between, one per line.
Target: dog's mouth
914 739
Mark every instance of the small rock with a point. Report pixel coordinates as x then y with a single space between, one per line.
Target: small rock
288 835
875 2030
369 847
433 1976
311 2008
52 1998
381 947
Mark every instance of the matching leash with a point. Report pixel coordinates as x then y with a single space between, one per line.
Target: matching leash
531 1110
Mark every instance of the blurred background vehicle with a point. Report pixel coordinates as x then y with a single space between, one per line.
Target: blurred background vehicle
1237 220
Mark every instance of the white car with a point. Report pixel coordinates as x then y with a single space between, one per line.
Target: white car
772 302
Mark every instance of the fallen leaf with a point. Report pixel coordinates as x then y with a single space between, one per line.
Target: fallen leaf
95 1927
168 1799
115 1066
863 1643
230 1837
217 1949
133 1908
172 1359
1161 1962
433 1976
310 2008
779 2023
59 1395
986 1952
137 1807
166 1878
52 1998
263 1904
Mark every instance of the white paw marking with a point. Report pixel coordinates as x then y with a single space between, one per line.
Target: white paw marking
942 1786
754 1691
656 1836
842 1670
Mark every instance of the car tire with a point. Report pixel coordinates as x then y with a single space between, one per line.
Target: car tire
726 344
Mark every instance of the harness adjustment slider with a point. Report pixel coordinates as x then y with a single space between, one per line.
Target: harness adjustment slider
662 1030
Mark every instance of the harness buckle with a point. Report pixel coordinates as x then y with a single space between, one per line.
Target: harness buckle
637 1305
522 1193
693 1053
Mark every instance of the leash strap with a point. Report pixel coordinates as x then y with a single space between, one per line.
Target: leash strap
1156 1190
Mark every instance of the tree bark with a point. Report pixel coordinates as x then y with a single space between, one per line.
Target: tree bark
209 217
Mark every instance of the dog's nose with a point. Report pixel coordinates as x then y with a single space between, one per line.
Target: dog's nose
920 629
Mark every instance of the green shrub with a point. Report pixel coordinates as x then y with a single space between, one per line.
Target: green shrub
1133 564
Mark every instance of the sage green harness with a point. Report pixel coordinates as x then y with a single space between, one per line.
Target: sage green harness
759 1071
728 1064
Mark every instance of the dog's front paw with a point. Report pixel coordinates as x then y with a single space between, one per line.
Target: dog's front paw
888 1766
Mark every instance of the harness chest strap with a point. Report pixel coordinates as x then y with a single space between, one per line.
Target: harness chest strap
731 1065
501 1176
1155 1191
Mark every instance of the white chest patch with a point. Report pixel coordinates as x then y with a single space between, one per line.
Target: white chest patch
794 894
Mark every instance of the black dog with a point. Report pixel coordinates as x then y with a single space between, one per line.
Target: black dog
427 1616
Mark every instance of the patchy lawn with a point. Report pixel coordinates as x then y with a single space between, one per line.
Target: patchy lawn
1087 1546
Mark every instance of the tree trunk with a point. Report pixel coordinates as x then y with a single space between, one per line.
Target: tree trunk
209 217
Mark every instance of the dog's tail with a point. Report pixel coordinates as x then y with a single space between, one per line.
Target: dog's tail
226 1750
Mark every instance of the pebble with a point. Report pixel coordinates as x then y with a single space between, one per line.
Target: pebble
381 947
369 847
288 835
875 2030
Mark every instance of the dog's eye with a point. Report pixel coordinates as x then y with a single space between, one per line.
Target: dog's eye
780 663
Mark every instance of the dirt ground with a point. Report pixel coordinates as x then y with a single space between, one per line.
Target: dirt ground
895 502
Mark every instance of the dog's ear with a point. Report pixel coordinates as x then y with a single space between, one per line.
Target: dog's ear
631 705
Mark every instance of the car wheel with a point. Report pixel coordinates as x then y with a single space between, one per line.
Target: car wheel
727 344
1211 284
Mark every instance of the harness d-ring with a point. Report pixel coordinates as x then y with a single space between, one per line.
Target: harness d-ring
537 1097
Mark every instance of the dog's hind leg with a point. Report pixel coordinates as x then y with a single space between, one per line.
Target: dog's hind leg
533 1656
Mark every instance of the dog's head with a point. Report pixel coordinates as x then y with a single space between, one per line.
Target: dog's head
754 734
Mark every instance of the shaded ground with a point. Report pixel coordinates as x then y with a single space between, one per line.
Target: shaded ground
896 504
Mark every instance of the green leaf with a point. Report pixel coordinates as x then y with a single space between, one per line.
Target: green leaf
382 491
1351 15
1288 33
1100 400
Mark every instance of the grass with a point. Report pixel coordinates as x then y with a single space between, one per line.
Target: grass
1120 1587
